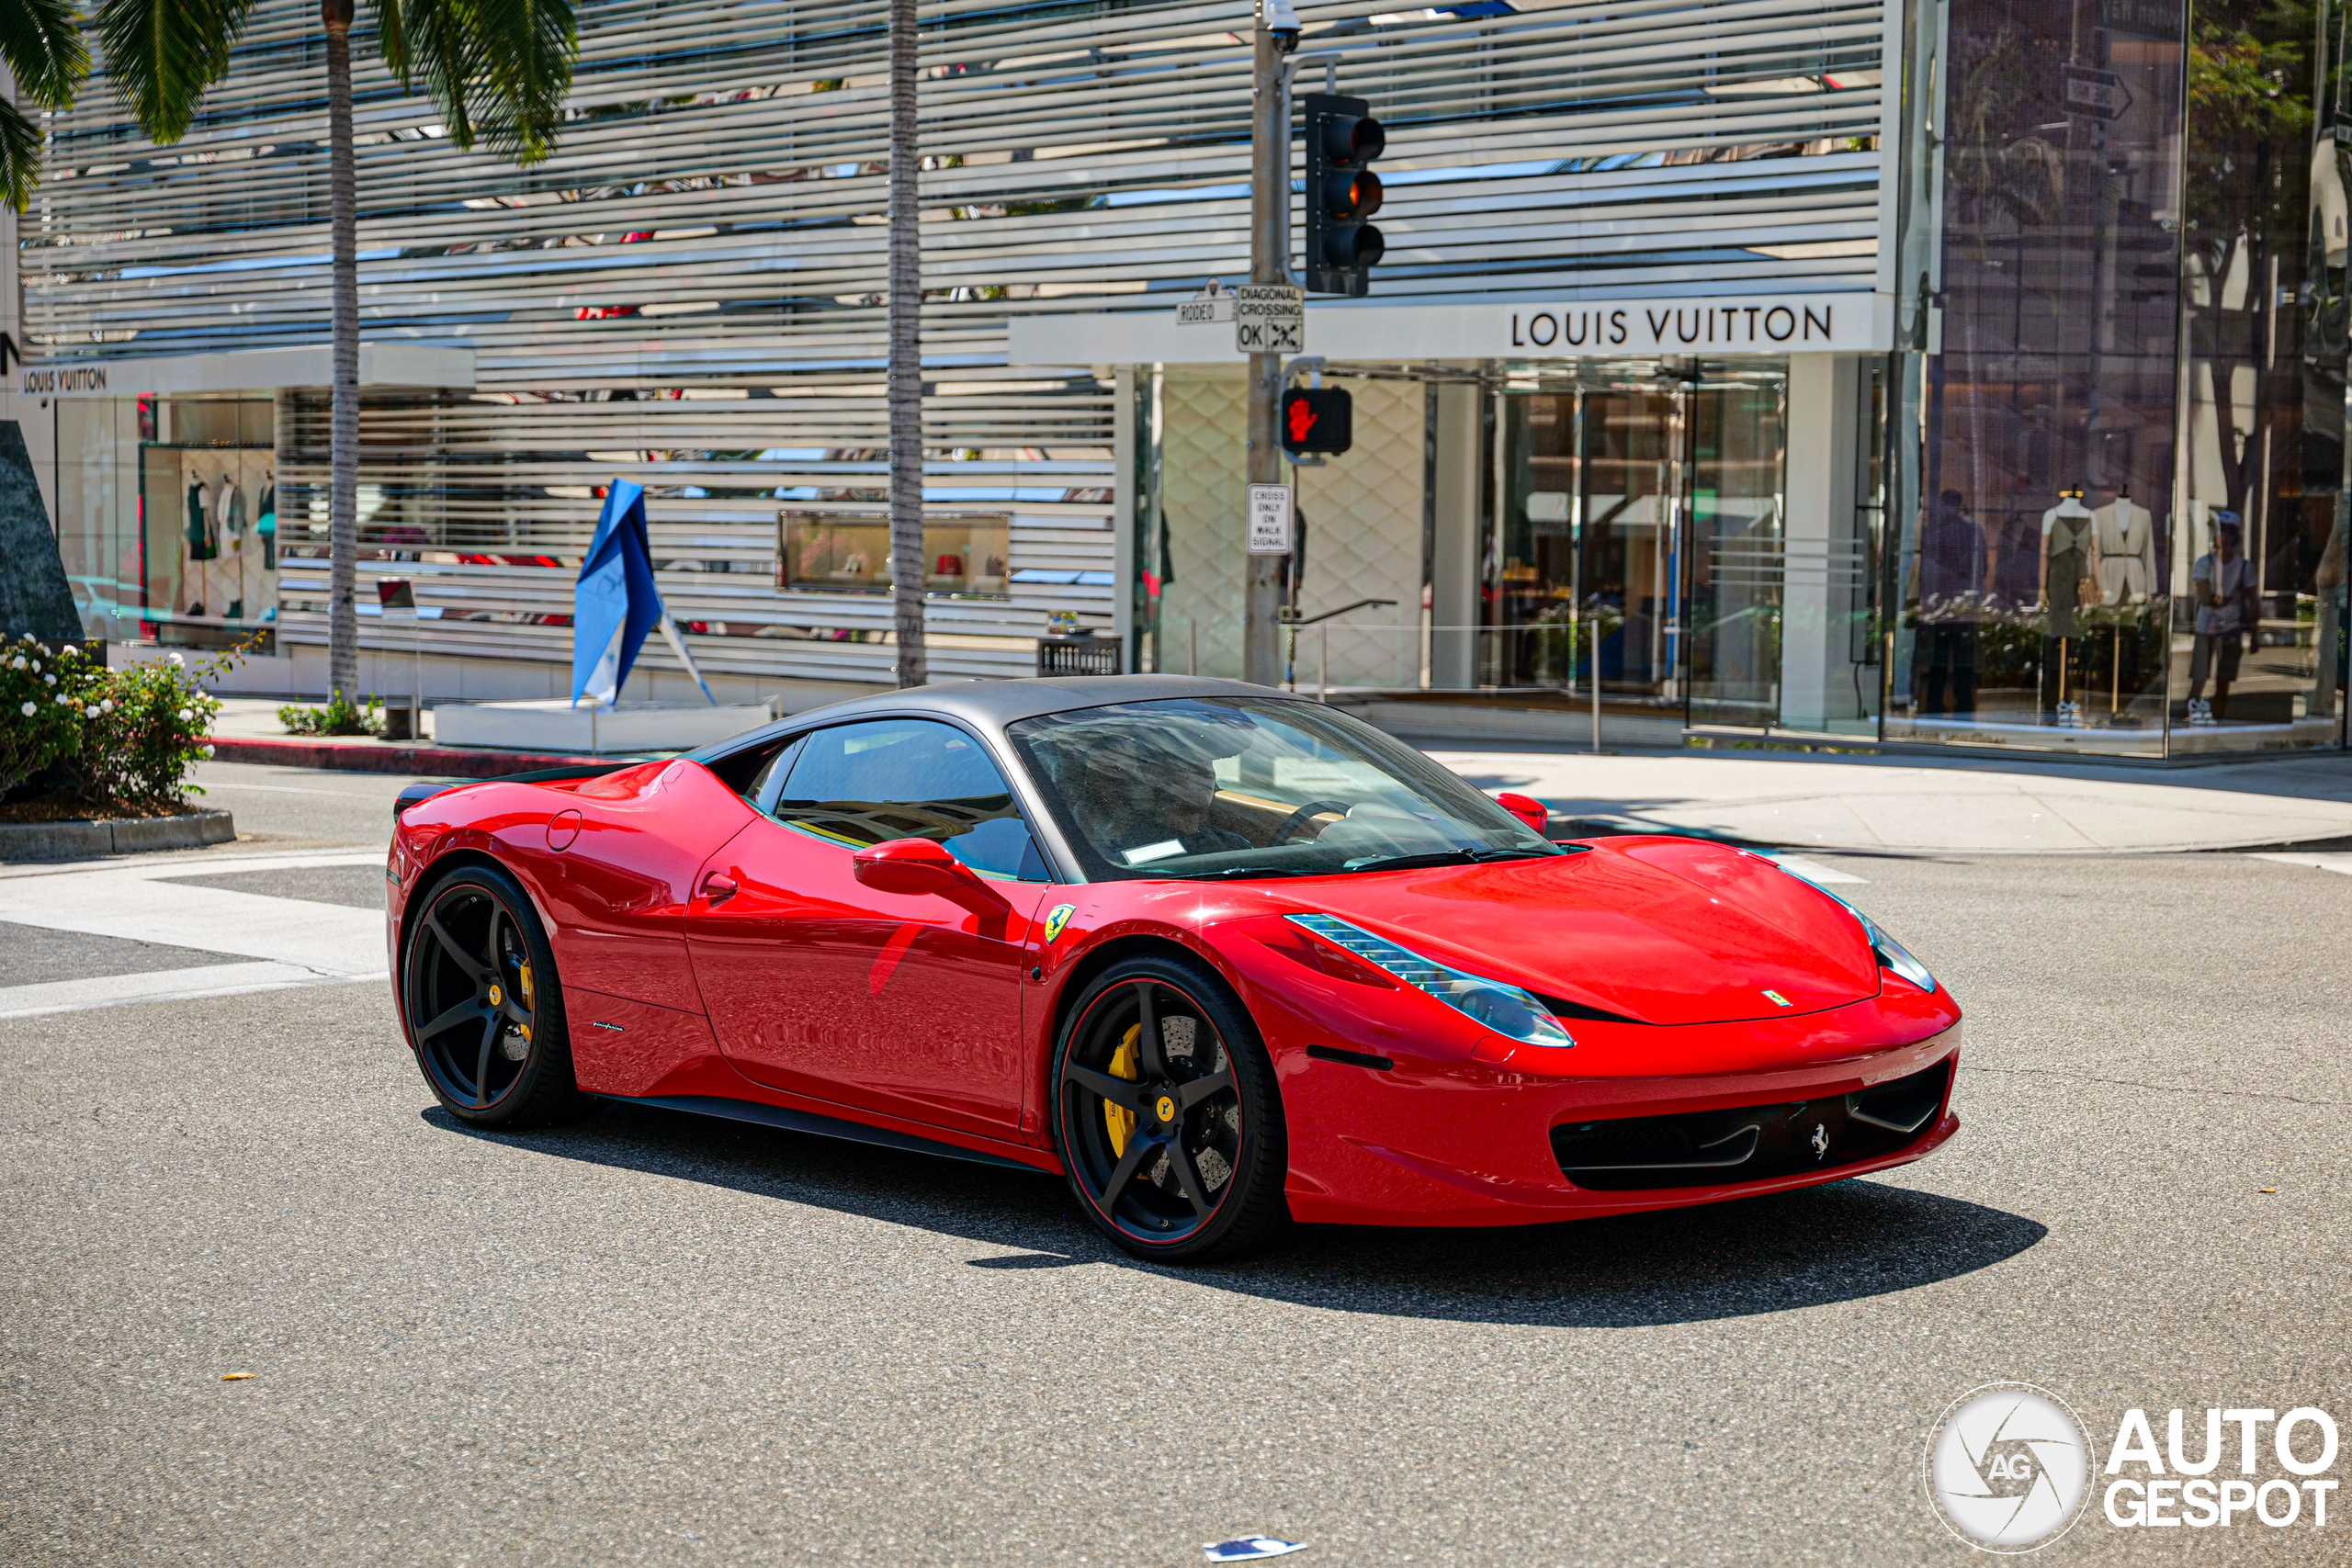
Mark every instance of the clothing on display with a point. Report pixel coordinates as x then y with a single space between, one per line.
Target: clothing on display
201 544
266 522
2127 551
2068 547
230 503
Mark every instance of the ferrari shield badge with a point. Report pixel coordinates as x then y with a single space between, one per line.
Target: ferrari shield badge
1820 1140
1775 998
1056 920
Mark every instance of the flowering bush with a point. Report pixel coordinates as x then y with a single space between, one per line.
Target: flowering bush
145 734
119 739
41 698
340 715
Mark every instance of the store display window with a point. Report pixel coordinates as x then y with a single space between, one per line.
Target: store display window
964 556
209 524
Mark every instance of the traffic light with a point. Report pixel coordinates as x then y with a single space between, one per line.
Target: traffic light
1342 139
1317 419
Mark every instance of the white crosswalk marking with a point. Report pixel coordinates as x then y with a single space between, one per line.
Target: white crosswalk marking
292 942
2315 861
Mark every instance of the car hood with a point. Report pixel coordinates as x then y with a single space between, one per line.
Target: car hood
1659 930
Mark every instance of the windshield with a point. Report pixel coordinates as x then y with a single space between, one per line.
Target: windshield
1248 786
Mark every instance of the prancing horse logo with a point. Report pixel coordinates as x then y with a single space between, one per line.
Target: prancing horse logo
1820 1140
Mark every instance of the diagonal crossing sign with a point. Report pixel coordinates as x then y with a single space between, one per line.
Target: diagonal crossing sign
1268 318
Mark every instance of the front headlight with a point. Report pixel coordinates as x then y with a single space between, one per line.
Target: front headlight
1507 1009
1893 954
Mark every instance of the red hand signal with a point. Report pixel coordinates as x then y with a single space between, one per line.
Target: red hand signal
1302 420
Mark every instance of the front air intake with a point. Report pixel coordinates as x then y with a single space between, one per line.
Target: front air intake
1750 1142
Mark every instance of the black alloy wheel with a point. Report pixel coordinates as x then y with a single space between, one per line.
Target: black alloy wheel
484 1010
1167 1115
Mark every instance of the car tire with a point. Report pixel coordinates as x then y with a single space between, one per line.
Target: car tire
1204 1182
482 1006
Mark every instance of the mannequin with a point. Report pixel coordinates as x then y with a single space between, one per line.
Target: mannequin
2127 568
2069 545
201 547
229 503
265 520
2127 550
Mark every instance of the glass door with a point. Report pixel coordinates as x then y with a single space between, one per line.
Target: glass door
1651 512
1736 452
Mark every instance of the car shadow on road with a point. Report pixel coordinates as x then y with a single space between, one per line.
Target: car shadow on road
1844 1241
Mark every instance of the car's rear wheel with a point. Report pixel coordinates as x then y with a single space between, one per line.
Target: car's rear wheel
1167 1113
484 1007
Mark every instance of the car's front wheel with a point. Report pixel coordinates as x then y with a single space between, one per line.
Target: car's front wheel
484 1007
1167 1113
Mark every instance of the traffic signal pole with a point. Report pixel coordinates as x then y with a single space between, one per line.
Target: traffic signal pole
1269 210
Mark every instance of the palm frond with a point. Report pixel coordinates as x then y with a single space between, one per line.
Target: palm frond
530 46
40 41
21 143
163 54
434 44
498 70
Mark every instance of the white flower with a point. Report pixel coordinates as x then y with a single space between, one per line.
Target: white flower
107 706
63 701
20 664
177 660
36 666
89 712
208 750
186 715
49 679
31 708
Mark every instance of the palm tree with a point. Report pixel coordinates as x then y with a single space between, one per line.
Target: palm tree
41 45
906 353
498 70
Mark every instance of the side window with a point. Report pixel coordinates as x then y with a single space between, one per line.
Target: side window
769 784
908 778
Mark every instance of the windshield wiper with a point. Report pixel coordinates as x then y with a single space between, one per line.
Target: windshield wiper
1246 871
1444 857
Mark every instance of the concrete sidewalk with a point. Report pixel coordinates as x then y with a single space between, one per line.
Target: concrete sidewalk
1961 806
1992 804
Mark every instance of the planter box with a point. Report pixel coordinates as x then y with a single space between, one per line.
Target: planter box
554 725
81 839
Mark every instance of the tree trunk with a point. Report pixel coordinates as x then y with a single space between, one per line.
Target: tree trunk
905 352
343 504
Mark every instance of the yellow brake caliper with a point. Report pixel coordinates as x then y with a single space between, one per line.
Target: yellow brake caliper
1118 1119
529 1006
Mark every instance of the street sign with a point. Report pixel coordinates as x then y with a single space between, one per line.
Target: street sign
2096 95
1268 318
1269 529
1212 304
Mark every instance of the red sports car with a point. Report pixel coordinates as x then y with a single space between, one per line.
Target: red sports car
1222 957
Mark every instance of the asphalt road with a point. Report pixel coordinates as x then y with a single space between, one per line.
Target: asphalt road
648 1338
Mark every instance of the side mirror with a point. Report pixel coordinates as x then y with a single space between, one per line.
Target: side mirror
911 866
1533 812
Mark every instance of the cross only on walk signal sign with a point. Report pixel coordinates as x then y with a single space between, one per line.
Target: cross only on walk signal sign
1268 318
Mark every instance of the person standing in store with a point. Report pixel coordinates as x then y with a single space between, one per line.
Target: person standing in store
1954 570
2223 583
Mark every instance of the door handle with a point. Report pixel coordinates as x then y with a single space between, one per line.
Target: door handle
717 888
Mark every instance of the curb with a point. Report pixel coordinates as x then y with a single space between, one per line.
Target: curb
85 839
379 756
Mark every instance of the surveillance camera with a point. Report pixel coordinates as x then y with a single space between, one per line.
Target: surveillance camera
1280 18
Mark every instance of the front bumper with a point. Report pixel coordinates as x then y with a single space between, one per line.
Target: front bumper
1449 1137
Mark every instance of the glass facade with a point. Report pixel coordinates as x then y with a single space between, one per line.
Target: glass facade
2121 389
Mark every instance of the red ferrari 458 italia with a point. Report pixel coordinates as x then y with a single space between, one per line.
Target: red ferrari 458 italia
1223 958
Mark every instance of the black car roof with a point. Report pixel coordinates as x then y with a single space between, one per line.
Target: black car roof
989 705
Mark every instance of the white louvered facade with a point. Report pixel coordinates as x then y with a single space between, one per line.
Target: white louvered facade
689 293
